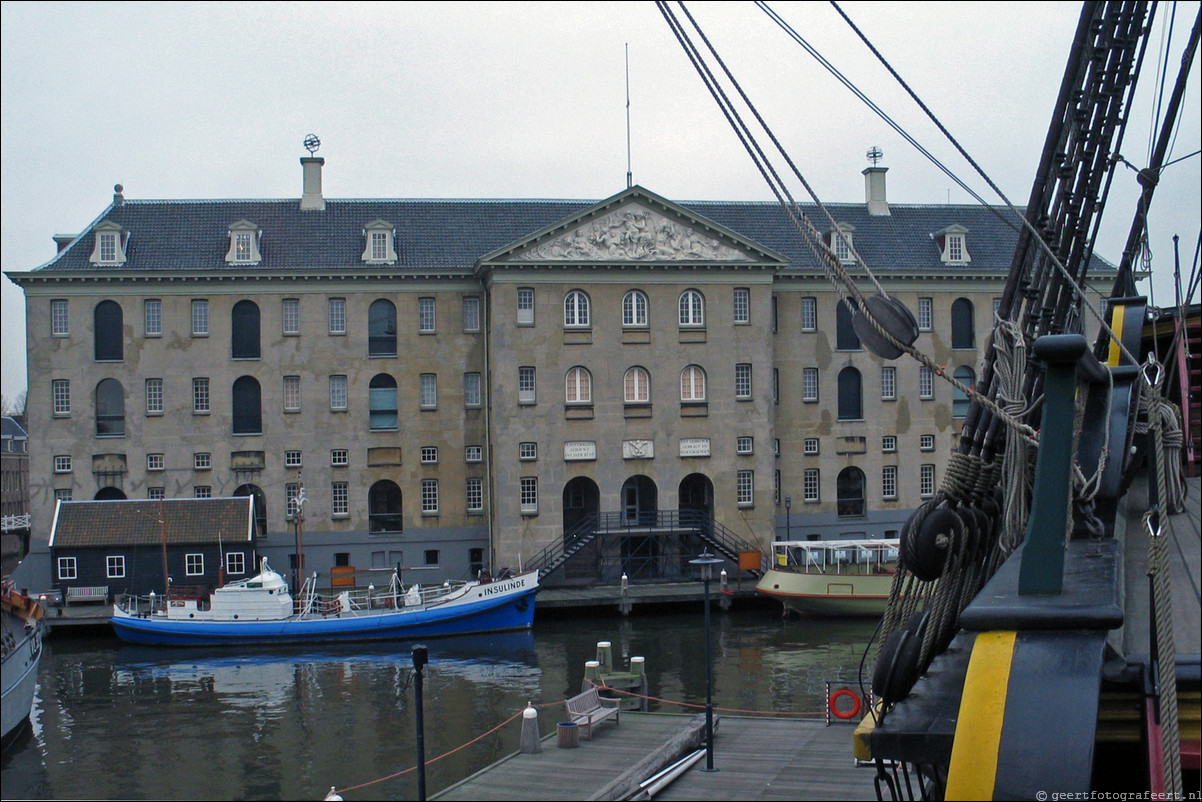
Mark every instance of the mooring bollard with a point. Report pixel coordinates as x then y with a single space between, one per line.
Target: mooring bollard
592 675
531 743
605 656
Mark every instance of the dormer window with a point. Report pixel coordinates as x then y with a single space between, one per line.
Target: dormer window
109 248
840 242
953 245
244 244
379 247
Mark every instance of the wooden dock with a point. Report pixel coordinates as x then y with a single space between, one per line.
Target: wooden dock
755 758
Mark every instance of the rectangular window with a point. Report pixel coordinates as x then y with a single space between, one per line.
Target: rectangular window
156 493
291 490
742 306
888 383
108 247
339 457
809 385
926 481
62 495
194 564
379 246
202 491
154 396
114 566
200 318
809 314
924 314
66 568
471 390
926 383
744 445
200 396
429 391
529 494
745 488
527 451
62 464
474 493
425 315
809 446
525 306
339 504
471 313
202 461
743 381
429 455
525 385
809 485
338 392
337 315
889 443
292 458
473 454
59 320
152 317
60 392
243 247
290 313
429 496
292 394
235 562
926 442
889 482
154 462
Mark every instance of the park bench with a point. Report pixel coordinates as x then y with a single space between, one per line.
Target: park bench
590 708
84 593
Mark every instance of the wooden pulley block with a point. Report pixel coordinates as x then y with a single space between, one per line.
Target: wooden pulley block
893 316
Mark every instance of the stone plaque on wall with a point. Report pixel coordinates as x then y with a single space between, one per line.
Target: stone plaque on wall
579 450
695 447
638 449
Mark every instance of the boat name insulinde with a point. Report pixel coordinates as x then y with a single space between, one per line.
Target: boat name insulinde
501 587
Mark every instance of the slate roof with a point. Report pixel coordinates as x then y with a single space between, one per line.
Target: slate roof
10 429
135 522
449 236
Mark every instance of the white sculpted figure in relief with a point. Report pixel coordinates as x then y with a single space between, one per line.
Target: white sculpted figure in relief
632 234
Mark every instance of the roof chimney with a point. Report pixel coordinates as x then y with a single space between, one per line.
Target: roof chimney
874 191
63 240
311 175
118 196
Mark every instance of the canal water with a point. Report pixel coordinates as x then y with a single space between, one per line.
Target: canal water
117 721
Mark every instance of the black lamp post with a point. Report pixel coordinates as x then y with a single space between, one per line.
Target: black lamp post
706 562
421 656
788 518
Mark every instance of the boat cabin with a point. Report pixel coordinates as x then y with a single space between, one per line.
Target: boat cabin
837 556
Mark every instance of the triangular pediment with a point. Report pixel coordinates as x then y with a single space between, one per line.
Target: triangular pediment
634 226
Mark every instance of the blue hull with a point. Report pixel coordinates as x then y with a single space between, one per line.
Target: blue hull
489 615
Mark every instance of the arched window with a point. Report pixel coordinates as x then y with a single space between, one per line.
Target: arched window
578 386
259 504
634 309
381 328
960 400
248 406
576 310
692 308
381 401
963 335
850 395
109 332
110 494
846 338
110 409
637 386
850 489
692 384
244 330
384 507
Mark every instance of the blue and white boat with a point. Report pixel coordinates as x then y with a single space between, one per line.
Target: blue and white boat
260 610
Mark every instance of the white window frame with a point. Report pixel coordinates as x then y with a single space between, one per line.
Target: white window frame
235 562
926 442
577 310
926 383
428 391
578 386
634 309
809 314
62 463
811 486
473 453
809 385
888 383
293 458
743 389
292 394
528 495
691 309
114 566
202 491
60 394
745 488
889 482
741 306
154 396
427 315
67 568
692 384
202 461
527 384
156 493
202 402
471 313
926 480
428 455
152 317
744 444
200 317
60 318
474 494
926 314
889 444
338 393
527 452
340 457
194 564
429 496
340 499
472 394
336 315
810 446
525 306
155 462
636 386
290 316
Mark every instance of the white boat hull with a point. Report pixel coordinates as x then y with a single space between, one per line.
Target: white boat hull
22 652
828 594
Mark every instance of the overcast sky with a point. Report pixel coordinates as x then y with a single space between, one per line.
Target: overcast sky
526 100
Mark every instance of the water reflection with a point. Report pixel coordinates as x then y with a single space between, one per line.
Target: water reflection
134 722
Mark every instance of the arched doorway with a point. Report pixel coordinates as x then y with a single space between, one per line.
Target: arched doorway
260 506
581 499
110 494
640 499
384 507
696 497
